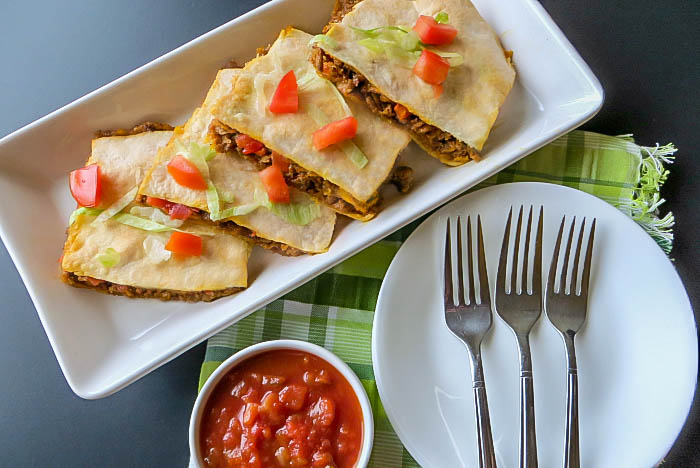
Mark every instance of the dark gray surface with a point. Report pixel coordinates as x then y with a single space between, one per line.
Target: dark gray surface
644 53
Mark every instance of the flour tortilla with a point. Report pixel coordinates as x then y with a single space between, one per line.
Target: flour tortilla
473 92
237 177
246 110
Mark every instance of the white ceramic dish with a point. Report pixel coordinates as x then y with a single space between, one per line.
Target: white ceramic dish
637 353
242 355
104 343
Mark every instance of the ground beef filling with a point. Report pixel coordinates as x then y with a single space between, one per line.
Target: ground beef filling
132 291
141 128
224 141
448 148
244 232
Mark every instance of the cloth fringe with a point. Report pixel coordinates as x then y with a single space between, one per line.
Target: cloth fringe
644 206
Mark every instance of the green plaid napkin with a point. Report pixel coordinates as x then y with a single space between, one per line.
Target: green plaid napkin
335 310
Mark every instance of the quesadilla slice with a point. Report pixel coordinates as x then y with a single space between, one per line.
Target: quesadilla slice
119 247
436 68
335 150
234 193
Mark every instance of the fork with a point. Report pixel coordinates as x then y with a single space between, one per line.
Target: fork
470 322
567 312
520 310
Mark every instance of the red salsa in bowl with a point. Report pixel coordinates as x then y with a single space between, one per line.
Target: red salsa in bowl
283 408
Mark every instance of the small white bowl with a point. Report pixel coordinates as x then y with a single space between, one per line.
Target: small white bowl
242 355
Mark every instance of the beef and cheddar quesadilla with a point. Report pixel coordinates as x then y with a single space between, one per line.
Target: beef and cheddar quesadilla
117 246
279 107
433 66
232 191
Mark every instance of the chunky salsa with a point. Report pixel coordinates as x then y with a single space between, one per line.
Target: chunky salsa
282 408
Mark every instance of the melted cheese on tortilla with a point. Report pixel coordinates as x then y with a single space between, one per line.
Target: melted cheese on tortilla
222 265
291 134
123 162
473 91
240 178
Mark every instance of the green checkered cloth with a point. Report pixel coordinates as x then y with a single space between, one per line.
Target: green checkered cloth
336 309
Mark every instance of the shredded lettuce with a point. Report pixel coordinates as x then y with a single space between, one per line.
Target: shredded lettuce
198 154
213 200
227 197
83 211
109 258
442 17
311 79
140 223
241 210
453 58
355 154
119 205
154 214
400 43
327 40
300 214
154 246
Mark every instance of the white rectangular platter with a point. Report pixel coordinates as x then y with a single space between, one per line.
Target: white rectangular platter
104 343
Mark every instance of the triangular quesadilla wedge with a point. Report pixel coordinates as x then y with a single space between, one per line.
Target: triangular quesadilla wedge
235 196
120 247
345 174
435 67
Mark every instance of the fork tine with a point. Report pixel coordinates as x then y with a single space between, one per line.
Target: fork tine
470 258
587 262
567 252
537 261
555 259
501 276
484 292
516 251
460 266
526 254
574 272
449 297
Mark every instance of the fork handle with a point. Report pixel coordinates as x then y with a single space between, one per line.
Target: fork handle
528 439
572 456
487 457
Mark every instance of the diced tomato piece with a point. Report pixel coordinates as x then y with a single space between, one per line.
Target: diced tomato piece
93 281
251 412
186 173
292 396
323 411
335 132
247 144
276 187
178 211
437 90
433 33
86 185
280 161
157 202
286 97
401 112
431 68
185 244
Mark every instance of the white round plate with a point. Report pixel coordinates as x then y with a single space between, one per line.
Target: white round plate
637 352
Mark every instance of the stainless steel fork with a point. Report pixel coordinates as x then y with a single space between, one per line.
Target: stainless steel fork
566 309
470 322
520 308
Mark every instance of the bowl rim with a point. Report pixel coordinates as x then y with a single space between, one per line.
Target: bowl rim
259 348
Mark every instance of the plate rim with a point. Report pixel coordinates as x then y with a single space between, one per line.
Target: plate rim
166 356
391 416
